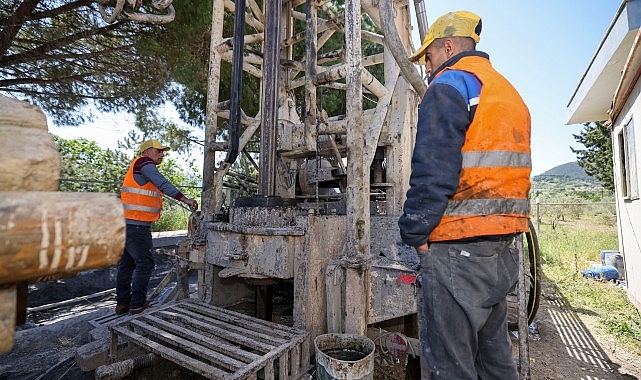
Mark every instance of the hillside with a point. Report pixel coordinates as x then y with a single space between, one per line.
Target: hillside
570 170
567 180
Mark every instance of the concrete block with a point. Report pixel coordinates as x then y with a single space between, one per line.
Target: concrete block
92 355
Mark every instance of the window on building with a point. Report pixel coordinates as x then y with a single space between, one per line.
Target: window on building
628 164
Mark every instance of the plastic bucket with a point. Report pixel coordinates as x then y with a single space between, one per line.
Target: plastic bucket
344 356
603 253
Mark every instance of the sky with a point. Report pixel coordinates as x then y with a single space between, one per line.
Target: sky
542 47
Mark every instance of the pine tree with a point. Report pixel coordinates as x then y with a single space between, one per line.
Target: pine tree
596 159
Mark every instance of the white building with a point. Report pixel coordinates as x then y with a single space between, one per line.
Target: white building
610 91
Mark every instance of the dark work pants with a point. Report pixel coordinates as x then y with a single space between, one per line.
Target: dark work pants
135 267
463 310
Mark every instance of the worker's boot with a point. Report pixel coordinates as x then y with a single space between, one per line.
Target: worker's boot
139 310
122 309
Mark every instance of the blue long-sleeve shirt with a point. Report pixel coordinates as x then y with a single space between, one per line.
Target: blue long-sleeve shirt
145 170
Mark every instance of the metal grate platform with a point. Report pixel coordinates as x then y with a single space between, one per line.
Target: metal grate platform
215 342
107 319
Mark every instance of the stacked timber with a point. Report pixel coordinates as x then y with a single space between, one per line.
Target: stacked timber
44 232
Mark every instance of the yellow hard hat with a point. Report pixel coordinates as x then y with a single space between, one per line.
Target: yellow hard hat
152 144
452 24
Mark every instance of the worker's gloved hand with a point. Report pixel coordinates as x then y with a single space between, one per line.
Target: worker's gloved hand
193 205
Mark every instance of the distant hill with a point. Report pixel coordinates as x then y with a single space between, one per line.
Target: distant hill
571 170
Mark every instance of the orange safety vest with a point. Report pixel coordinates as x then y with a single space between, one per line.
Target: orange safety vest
141 203
492 195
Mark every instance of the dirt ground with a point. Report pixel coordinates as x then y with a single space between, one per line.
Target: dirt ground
568 344
564 344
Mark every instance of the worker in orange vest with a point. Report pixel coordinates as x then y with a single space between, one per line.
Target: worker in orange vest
141 196
467 203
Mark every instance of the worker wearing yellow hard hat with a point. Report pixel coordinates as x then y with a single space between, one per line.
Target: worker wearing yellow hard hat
453 24
467 202
141 194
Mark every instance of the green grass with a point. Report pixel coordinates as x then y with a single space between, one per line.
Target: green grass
173 217
571 247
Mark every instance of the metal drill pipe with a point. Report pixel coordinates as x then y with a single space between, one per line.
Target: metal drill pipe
269 111
236 81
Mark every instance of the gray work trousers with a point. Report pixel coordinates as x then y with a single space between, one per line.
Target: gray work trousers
463 310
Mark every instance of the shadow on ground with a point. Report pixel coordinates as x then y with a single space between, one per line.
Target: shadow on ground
566 347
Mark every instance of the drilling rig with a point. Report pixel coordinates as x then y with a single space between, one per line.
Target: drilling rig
331 176
331 186
331 180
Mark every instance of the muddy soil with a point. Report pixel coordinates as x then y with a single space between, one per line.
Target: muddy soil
563 344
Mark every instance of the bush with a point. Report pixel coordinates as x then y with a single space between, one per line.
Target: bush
173 218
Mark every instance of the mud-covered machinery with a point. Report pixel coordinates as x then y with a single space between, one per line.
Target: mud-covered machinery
331 178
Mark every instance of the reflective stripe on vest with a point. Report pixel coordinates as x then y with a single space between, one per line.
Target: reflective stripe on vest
149 193
141 208
471 207
496 159
492 196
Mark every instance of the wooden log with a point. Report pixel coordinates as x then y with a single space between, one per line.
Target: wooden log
30 161
7 317
45 233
